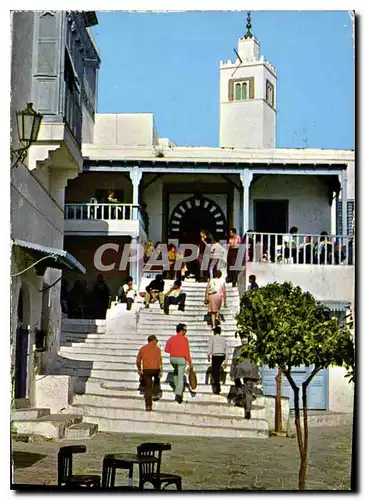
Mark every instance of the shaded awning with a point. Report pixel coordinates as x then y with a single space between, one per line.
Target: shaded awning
60 259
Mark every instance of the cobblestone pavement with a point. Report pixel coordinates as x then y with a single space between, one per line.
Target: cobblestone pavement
207 463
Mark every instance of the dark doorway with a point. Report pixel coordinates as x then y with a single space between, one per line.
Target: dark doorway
21 352
271 216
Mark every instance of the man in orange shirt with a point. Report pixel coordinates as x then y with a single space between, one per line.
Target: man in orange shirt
149 364
178 348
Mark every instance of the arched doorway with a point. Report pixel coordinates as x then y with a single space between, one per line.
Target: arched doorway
193 214
21 346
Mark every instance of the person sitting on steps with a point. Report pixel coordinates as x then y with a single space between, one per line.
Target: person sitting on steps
154 291
175 296
127 293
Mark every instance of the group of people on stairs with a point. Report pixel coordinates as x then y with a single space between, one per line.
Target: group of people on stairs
244 373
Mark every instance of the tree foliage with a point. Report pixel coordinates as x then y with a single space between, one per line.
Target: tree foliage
285 328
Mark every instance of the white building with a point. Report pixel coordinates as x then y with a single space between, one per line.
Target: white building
58 195
246 183
54 66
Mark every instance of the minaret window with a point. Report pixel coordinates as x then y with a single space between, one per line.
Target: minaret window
241 89
270 93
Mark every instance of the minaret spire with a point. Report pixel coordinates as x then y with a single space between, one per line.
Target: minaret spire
248 26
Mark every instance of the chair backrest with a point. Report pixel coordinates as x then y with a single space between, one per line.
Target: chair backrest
108 475
64 462
151 450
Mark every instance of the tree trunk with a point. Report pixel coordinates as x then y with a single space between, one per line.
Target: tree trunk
298 426
304 456
278 419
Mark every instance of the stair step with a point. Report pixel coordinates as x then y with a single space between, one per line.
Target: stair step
218 408
29 413
122 356
147 426
127 351
130 345
166 330
49 426
193 310
110 363
82 430
178 414
139 338
200 395
104 385
125 373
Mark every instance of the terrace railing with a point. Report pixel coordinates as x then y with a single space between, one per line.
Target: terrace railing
300 248
104 211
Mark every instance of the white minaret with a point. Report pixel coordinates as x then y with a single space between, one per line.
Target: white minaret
247 97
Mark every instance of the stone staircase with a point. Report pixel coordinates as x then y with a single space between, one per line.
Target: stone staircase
102 354
31 423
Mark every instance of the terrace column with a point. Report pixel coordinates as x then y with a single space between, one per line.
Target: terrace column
246 179
344 201
136 175
134 267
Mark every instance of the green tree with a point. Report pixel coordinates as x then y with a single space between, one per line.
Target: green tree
285 328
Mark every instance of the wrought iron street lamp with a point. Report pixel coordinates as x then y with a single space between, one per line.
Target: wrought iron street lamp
28 125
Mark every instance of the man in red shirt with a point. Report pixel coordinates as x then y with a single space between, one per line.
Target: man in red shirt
178 348
149 364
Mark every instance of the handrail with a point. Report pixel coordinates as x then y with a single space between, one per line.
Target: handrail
301 248
103 211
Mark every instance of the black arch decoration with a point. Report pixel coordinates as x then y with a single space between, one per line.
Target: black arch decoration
195 213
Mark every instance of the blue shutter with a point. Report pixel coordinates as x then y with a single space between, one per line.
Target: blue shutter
317 392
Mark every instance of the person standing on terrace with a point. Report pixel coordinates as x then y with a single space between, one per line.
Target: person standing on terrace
233 243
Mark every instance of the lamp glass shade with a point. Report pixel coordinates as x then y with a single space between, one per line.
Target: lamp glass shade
28 122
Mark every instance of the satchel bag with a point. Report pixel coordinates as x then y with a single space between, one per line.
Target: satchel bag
193 381
142 385
156 391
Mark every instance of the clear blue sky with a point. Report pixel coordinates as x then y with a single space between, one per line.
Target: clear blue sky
168 64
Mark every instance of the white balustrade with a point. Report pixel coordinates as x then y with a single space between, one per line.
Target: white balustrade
103 211
300 248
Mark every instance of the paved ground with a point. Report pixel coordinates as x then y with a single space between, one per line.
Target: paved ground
208 463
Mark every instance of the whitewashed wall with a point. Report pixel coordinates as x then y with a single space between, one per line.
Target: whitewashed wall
35 216
333 283
124 129
309 209
340 391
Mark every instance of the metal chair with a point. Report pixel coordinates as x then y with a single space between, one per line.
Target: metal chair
65 477
151 473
